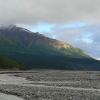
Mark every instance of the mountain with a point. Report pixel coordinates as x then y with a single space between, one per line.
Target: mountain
9 45
41 44
34 50
6 63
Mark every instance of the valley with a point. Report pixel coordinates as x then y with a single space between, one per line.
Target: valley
49 50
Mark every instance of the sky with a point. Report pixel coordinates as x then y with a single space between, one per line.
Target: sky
76 22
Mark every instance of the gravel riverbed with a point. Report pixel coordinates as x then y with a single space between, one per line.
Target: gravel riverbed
52 85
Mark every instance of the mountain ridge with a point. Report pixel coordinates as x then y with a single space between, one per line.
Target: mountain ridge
41 43
16 29
34 50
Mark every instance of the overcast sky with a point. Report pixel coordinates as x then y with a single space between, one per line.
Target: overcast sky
76 22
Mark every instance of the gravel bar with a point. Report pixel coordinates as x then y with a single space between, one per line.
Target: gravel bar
49 85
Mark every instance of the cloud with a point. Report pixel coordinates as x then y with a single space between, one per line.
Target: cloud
86 37
48 11
58 13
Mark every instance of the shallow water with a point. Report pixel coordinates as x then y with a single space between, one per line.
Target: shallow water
9 97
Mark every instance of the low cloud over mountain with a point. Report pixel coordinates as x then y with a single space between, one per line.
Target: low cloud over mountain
58 13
